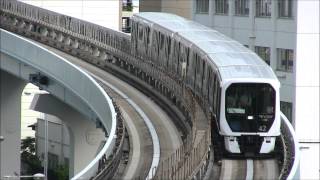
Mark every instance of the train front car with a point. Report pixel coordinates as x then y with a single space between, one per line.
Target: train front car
238 89
250 119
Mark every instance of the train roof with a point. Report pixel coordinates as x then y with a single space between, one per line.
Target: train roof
232 59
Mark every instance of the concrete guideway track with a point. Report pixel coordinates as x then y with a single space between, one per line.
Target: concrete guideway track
169 136
266 169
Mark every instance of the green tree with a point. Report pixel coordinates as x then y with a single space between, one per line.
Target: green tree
29 157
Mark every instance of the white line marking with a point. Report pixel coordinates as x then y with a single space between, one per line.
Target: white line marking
152 130
249 175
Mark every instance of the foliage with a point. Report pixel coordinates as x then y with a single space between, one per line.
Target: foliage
28 156
62 172
33 163
127 8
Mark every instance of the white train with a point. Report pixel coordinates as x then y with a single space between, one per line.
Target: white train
240 90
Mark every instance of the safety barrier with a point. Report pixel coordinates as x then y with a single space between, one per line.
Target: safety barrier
291 150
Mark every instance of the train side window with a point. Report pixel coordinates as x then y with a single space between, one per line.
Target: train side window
211 90
140 33
148 35
203 71
169 46
209 81
205 81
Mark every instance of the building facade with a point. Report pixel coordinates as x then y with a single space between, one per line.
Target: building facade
58 141
180 7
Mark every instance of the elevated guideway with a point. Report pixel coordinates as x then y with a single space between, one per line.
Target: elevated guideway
25 60
110 50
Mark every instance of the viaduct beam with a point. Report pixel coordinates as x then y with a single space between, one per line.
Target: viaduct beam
25 60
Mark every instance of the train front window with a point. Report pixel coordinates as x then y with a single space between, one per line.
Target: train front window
250 107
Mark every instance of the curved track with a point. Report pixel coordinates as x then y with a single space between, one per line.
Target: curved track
140 140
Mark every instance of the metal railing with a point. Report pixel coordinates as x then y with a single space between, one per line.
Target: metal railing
185 161
291 150
67 24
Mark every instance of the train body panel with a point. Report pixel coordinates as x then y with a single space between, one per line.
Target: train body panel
218 70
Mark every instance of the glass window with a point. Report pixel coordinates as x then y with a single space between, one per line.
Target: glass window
127 5
126 25
202 6
242 7
263 8
264 53
221 6
66 161
286 108
285 8
52 160
250 107
285 60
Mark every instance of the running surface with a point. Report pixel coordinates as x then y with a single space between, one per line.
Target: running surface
249 169
141 155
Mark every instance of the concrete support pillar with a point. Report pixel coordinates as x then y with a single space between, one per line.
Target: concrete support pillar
10 126
85 138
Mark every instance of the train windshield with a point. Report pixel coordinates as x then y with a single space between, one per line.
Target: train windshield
250 107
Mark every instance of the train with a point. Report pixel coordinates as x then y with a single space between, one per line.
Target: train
240 90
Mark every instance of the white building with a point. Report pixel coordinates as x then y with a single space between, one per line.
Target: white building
105 13
285 33
28 116
58 141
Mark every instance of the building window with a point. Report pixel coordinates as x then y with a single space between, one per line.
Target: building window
242 7
285 60
126 24
66 161
221 6
285 8
53 160
202 6
127 5
264 53
286 109
263 8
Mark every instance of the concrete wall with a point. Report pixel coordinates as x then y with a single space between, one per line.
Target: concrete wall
150 5
10 128
307 71
179 7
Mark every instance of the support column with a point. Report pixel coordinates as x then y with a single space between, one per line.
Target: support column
11 88
85 138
